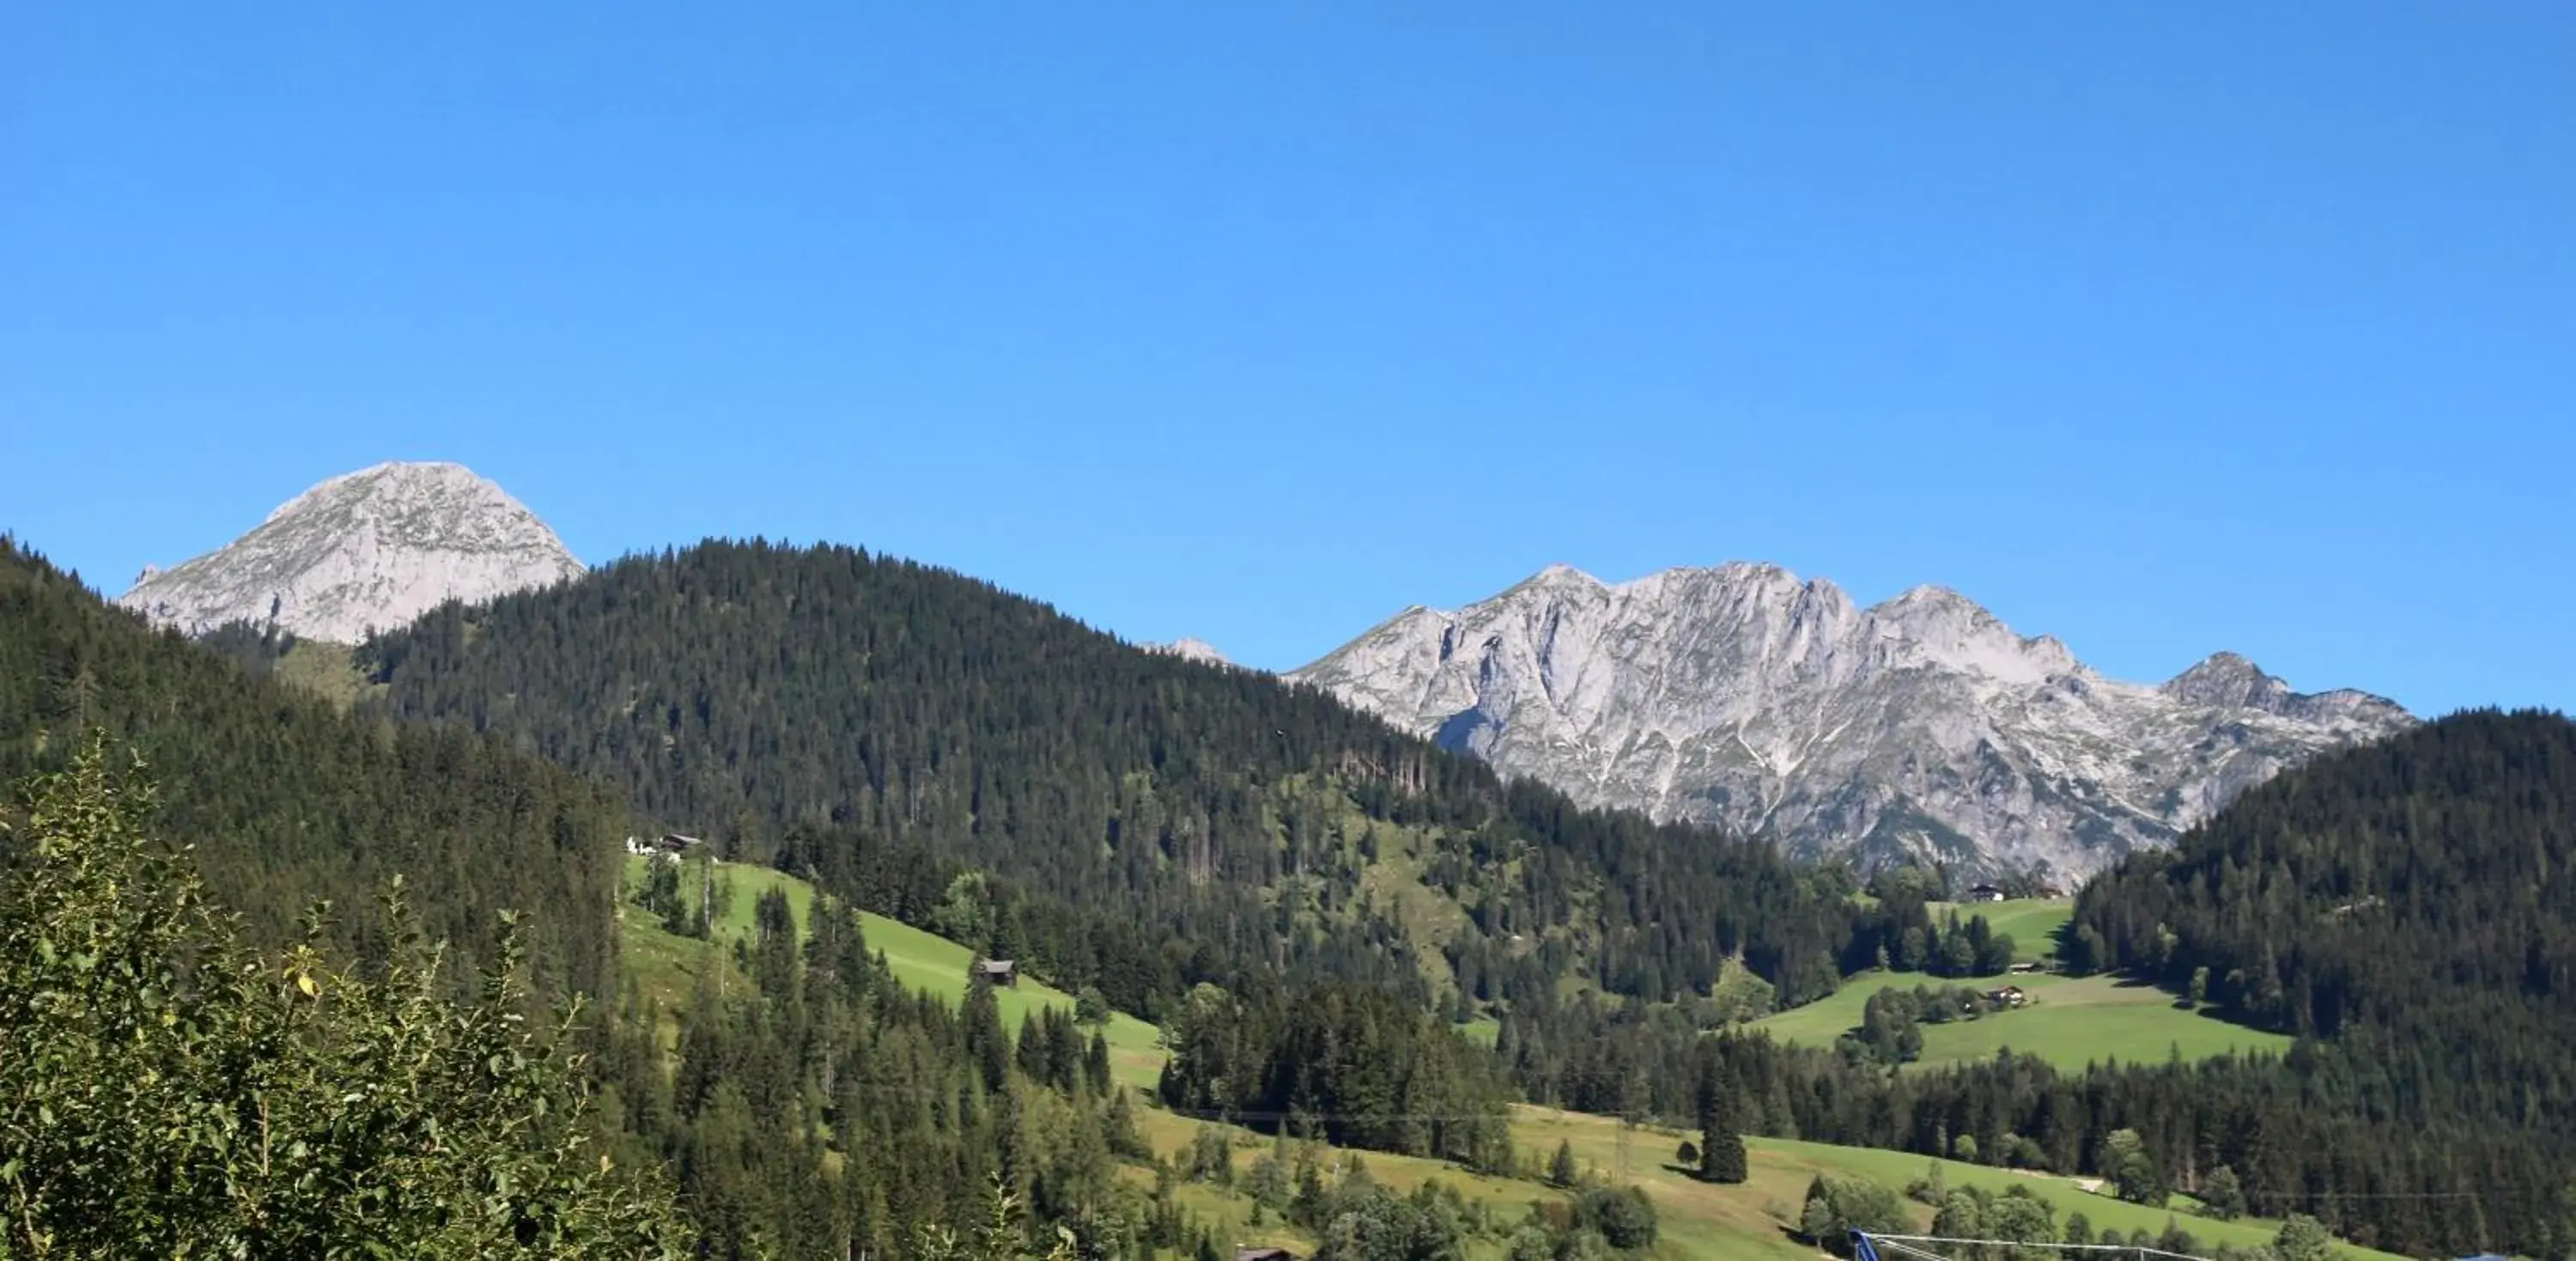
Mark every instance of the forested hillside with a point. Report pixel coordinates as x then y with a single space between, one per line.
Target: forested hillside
172 1091
823 707
811 1105
2411 905
2289 1137
1304 898
286 800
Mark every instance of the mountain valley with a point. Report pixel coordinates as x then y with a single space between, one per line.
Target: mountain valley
1246 913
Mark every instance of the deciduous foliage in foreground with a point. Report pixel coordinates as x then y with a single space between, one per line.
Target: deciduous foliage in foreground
167 1092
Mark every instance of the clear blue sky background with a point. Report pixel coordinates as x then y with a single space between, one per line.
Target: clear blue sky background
2160 329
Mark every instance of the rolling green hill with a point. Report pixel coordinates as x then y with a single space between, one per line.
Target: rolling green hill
2070 1022
1751 1221
1151 821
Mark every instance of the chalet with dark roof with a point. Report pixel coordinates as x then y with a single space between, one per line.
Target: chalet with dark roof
669 846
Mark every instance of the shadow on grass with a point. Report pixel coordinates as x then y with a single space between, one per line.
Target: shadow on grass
1794 1235
2182 1002
2221 1015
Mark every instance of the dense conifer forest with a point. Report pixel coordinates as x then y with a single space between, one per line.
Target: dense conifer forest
821 1108
817 706
1351 1064
286 800
2411 904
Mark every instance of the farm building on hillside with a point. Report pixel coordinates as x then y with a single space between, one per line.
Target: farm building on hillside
998 971
669 845
1264 1254
2008 996
1985 893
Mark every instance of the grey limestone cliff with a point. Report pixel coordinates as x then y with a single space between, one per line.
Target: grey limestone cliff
366 550
1921 726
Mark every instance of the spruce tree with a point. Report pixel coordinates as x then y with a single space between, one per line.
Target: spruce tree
984 1037
1721 1149
1095 1065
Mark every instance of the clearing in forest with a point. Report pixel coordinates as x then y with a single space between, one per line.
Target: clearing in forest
2068 1021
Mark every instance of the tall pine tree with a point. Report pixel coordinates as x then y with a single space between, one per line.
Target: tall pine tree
1721 1149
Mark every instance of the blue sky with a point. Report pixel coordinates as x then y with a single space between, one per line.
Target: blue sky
2160 329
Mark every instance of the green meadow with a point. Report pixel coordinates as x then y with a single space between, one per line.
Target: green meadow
666 965
2070 1022
2033 924
2067 1195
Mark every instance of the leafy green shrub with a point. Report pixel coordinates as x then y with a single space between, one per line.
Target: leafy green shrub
167 1092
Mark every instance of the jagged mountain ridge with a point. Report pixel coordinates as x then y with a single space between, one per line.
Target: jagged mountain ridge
363 551
1923 726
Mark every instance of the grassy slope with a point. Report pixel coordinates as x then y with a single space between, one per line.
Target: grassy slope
666 965
2031 923
1698 1220
2071 1021
325 668
1750 1221
1895 1169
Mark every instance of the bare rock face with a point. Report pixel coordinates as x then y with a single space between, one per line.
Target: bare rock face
367 550
1192 649
1923 726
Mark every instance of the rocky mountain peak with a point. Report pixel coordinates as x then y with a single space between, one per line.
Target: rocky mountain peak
2227 680
1194 650
1923 725
364 550
1940 627
2224 678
